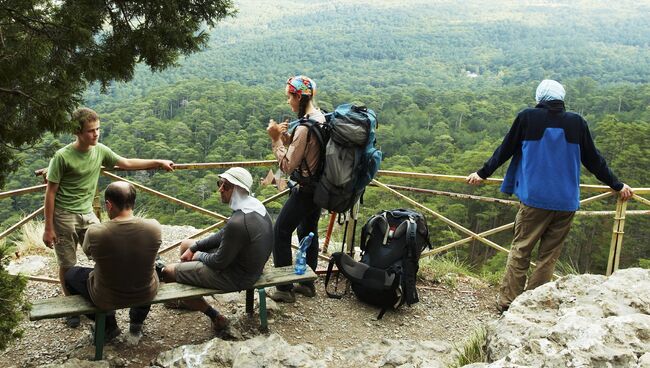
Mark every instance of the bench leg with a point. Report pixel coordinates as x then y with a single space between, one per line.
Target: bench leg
264 324
249 302
100 328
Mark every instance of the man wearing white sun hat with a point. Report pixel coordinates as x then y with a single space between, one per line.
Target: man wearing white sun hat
233 258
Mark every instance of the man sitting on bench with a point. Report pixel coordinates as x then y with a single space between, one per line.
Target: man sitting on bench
233 258
124 250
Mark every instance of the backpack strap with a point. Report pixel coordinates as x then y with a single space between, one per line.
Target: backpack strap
410 291
311 129
327 278
394 286
369 227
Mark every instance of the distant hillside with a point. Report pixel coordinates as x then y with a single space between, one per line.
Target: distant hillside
364 45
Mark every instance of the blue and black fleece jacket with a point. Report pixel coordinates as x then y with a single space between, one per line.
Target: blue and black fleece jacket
547 145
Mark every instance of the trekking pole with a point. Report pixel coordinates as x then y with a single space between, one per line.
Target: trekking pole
328 235
354 214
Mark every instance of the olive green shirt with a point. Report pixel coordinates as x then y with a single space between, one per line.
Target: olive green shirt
77 174
124 253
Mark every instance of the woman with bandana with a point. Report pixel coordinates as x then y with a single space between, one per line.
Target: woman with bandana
547 145
298 154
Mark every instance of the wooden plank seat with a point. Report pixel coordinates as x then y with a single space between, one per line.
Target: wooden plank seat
74 305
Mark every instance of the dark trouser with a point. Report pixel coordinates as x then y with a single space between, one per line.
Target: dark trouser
76 281
301 213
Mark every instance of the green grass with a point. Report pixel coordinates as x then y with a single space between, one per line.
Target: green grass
566 268
493 278
644 263
474 350
444 269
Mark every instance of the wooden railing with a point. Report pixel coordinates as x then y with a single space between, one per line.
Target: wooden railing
618 214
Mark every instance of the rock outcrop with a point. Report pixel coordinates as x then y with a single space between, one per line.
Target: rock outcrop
577 321
274 351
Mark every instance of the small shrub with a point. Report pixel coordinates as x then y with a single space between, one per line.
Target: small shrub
644 263
13 304
30 239
474 350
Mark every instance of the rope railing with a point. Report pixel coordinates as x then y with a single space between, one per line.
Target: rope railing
604 192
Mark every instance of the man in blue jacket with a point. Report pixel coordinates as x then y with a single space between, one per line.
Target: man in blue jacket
547 145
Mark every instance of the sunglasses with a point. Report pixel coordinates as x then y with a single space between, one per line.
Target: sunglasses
226 185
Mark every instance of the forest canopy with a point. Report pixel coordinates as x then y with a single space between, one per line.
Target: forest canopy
445 78
50 51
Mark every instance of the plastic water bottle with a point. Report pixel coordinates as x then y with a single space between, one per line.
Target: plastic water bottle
301 257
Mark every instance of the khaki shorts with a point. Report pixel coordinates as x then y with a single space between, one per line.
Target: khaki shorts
70 230
198 274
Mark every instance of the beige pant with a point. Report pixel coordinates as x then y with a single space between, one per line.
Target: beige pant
532 225
70 230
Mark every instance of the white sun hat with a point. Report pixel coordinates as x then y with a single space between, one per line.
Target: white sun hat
239 177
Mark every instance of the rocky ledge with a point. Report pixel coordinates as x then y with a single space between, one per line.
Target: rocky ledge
577 321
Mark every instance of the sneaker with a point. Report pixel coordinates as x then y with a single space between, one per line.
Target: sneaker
502 308
72 321
109 335
135 328
159 265
306 290
219 323
283 296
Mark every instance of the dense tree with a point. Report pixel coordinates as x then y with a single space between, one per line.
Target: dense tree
14 303
50 51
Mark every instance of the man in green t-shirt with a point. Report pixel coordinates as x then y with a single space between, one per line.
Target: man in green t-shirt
71 184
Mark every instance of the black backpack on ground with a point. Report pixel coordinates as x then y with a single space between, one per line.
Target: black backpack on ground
391 244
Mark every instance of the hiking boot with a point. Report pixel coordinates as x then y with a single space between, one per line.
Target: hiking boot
219 323
72 321
135 328
111 334
283 296
308 290
176 304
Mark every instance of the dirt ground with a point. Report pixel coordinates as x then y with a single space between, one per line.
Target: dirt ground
443 313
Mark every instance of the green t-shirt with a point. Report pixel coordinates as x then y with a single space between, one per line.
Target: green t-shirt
77 174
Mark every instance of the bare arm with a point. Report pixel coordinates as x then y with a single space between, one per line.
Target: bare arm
289 158
49 235
138 163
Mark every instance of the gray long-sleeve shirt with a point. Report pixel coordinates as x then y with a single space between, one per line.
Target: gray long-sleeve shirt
240 250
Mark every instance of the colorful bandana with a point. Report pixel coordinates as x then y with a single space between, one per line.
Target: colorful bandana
301 85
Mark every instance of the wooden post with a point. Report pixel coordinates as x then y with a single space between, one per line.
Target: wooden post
328 234
617 237
249 301
100 330
97 206
264 322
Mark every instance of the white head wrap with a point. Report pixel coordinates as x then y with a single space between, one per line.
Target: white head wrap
241 200
549 90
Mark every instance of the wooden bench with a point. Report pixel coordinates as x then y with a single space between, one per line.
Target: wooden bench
74 305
